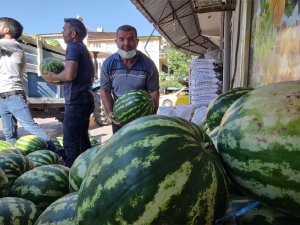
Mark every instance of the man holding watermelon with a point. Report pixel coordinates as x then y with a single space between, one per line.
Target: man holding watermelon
77 78
13 103
127 69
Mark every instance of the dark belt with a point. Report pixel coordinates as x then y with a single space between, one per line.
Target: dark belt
10 93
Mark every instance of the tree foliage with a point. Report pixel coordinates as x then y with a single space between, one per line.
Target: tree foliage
177 63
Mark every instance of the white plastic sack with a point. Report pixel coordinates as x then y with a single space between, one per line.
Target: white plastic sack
184 111
166 110
199 115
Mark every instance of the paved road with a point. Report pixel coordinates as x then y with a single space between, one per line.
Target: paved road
54 129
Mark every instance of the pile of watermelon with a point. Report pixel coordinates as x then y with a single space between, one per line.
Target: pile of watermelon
166 170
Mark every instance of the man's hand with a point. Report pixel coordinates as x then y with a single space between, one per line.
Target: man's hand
51 78
112 118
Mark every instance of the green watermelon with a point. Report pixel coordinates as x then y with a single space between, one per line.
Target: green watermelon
218 107
52 65
12 150
4 185
43 157
213 135
5 145
132 105
259 140
31 143
17 211
62 211
153 171
60 140
14 165
42 185
79 168
57 142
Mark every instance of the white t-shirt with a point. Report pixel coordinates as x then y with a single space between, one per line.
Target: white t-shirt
12 65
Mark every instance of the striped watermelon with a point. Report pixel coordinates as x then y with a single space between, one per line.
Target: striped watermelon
17 211
52 65
132 105
12 150
43 157
62 211
14 165
31 143
218 107
60 140
79 168
259 140
42 185
4 185
57 142
153 171
5 145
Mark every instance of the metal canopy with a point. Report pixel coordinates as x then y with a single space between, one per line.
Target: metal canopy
191 26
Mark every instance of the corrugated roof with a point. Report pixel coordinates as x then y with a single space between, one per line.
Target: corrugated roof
191 26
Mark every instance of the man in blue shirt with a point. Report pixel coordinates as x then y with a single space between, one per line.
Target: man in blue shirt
127 69
77 78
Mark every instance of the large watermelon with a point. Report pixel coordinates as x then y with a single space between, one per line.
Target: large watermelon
17 211
52 65
218 107
43 157
14 165
259 140
4 185
132 105
79 168
5 145
12 150
153 171
42 185
60 212
31 143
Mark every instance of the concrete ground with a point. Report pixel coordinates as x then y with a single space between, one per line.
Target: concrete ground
55 129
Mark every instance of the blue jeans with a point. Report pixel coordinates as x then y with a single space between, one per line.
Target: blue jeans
9 121
75 131
16 105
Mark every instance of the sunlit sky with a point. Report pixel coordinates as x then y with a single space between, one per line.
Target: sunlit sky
46 16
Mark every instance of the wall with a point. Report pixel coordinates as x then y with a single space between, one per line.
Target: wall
276 42
265 44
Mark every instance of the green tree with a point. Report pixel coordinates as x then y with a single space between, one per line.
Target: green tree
178 63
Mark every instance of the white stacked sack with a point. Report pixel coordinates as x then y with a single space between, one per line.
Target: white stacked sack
205 83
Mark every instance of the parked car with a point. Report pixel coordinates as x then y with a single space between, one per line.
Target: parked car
179 97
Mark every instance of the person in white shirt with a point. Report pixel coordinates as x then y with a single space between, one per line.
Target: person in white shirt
13 101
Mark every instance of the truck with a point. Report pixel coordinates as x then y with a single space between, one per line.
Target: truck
47 100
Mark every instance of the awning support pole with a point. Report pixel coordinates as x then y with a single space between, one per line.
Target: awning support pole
227 50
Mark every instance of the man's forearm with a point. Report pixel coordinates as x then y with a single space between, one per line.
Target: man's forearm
107 101
155 97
